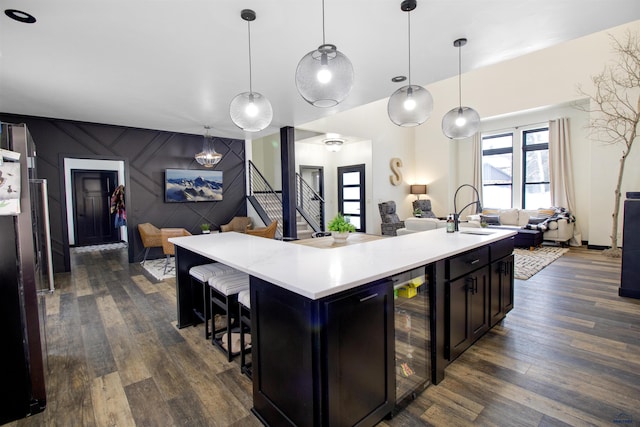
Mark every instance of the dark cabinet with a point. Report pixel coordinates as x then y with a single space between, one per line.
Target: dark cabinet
326 362
479 293
629 283
358 363
501 285
468 310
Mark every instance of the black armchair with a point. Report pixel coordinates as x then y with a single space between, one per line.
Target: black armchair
390 220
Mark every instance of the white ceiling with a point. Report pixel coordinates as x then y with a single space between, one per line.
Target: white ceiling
176 65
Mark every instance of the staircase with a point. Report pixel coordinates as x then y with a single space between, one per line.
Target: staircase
268 204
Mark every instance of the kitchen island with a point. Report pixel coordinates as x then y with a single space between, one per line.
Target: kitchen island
323 320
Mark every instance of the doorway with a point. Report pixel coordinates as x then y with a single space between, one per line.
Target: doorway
351 195
314 177
93 221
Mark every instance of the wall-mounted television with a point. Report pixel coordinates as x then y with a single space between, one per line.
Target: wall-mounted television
188 185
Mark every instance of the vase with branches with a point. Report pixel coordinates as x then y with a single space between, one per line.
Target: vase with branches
615 112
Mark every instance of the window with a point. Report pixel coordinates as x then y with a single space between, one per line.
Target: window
527 187
535 169
497 170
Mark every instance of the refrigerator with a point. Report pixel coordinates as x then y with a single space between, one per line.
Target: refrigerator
22 389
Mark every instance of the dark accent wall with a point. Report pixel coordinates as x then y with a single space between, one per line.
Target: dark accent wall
146 154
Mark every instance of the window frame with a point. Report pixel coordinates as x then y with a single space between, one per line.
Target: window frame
530 148
499 151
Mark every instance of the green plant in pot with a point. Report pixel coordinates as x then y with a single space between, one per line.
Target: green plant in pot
340 227
206 228
417 212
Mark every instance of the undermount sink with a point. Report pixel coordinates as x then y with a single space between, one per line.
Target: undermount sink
478 232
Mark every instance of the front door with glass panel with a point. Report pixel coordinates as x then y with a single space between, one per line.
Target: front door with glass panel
351 195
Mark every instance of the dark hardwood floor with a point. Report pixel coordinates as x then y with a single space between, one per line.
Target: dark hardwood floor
568 354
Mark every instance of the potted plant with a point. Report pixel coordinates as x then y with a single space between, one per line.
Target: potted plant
417 212
340 227
206 228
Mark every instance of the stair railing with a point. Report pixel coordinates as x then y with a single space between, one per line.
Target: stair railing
265 200
309 204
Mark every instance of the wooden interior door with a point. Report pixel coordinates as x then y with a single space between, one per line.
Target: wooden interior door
93 221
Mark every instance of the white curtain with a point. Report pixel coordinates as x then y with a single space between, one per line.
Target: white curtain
476 149
561 171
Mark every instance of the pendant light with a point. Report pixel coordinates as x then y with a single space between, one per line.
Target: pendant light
411 105
324 76
250 111
208 156
460 122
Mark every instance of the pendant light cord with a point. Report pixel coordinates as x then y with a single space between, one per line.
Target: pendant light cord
323 41
409 37
460 76
250 77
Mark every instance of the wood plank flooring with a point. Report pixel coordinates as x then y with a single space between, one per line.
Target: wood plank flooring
568 354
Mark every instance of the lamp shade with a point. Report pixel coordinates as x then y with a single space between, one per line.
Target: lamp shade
419 189
251 111
411 105
460 123
324 76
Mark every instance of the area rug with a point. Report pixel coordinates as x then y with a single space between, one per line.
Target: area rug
155 267
529 262
95 248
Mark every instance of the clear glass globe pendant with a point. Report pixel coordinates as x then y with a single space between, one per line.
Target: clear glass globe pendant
250 111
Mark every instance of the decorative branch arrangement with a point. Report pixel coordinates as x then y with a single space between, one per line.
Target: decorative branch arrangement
615 112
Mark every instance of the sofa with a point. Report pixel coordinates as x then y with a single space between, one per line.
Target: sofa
415 225
555 224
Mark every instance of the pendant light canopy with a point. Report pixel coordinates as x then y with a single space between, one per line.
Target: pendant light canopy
250 111
460 122
208 156
411 105
324 76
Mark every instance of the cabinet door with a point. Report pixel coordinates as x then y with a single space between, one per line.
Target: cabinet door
479 304
501 289
507 282
468 310
360 356
459 295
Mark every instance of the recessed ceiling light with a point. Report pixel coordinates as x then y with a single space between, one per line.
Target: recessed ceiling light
398 79
20 16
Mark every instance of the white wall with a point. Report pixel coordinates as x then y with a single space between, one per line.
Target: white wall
371 123
352 153
547 78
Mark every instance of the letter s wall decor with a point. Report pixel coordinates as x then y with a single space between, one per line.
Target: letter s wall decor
396 178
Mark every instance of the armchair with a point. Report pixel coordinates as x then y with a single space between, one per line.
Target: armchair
237 223
425 207
269 231
150 235
167 247
390 220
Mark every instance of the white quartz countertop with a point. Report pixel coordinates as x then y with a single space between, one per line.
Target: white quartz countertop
316 273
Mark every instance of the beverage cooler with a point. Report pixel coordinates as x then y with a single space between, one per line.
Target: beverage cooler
22 389
412 334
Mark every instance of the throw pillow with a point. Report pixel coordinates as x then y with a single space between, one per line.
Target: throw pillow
509 217
490 219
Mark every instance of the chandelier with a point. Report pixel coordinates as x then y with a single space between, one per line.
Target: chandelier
208 156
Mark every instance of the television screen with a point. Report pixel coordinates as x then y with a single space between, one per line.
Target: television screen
187 185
